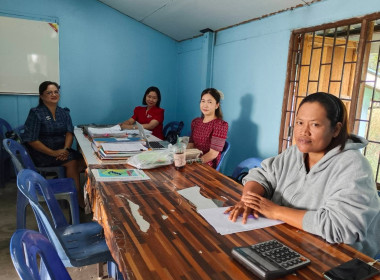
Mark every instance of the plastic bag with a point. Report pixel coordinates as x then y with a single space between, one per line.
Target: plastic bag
151 159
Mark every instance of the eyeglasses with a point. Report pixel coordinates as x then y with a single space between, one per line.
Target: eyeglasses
56 92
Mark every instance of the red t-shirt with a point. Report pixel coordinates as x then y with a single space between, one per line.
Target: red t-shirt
143 116
211 135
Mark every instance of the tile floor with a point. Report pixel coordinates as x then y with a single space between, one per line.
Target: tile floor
8 226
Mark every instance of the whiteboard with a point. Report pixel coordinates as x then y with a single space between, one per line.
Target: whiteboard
29 54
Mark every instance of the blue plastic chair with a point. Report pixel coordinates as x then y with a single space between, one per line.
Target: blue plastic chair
26 248
113 271
173 126
224 152
243 167
77 245
63 188
5 160
172 131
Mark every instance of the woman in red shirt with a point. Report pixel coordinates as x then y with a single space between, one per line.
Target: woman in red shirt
151 117
209 132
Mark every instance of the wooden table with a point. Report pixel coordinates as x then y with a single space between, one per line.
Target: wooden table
179 243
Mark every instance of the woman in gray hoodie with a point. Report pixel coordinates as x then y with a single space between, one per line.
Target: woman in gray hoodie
323 184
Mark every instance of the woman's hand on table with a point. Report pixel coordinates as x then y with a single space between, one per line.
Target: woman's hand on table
260 204
240 209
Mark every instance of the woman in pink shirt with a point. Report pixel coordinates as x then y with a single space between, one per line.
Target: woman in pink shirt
209 132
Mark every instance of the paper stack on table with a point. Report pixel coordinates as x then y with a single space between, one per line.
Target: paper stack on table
113 131
120 150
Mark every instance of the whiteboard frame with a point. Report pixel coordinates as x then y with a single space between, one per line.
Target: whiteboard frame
38 68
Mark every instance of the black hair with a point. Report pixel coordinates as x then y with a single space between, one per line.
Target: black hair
336 112
217 96
43 86
157 91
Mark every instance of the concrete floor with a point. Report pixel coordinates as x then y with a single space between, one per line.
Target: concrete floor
8 225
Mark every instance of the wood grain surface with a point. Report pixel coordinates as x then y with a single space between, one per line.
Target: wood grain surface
179 243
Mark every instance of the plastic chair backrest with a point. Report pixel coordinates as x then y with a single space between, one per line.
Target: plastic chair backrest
224 152
173 126
27 182
20 157
26 247
22 160
4 127
36 182
245 165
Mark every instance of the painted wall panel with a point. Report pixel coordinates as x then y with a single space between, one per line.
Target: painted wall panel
249 66
107 60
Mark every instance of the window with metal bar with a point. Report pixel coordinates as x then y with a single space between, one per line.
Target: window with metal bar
341 58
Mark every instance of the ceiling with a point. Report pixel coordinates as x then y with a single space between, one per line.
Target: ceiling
184 19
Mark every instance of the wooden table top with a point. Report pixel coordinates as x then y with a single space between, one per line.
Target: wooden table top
179 243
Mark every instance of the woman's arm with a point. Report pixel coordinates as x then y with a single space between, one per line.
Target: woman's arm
240 207
68 140
270 210
40 147
151 125
209 156
128 124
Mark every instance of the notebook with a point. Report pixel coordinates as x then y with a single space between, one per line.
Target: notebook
154 145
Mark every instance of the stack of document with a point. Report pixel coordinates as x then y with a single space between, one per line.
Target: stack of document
99 141
113 131
113 143
107 175
120 150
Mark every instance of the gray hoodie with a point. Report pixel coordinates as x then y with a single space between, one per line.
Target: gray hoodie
339 193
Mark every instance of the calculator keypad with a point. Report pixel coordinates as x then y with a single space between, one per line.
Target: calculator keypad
280 254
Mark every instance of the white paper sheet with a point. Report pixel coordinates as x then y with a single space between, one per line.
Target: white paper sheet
220 222
137 132
194 196
106 130
115 130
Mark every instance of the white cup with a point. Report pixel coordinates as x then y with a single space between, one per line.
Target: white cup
179 160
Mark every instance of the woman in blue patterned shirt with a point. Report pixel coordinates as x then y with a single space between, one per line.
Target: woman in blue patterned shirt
49 135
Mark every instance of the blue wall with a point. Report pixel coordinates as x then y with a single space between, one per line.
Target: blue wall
249 66
107 60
